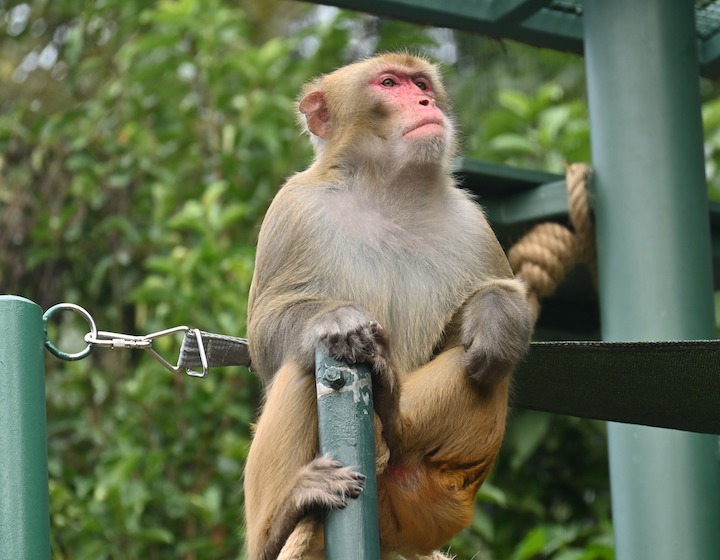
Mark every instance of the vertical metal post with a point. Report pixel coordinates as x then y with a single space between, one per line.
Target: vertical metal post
24 500
654 255
345 414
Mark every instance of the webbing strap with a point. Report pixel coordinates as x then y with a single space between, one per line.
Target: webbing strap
220 350
665 384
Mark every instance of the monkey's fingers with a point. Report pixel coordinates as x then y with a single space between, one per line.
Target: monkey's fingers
364 342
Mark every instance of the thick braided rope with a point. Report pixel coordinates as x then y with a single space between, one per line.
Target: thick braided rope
576 177
545 255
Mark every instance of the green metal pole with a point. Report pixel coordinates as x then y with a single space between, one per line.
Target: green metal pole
24 501
654 258
345 414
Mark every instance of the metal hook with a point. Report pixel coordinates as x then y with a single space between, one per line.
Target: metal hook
178 366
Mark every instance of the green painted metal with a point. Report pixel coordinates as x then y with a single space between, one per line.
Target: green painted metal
24 499
516 11
544 203
654 258
495 178
345 413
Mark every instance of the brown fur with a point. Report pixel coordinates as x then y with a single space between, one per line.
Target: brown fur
375 253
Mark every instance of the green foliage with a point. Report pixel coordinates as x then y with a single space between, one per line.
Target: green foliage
540 131
711 123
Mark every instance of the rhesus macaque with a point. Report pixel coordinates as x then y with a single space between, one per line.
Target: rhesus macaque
375 253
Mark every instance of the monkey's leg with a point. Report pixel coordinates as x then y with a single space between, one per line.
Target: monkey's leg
284 479
452 431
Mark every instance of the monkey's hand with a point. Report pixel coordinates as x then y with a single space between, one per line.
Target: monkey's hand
325 484
353 336
497 325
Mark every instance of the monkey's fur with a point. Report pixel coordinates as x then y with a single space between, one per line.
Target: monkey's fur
375 253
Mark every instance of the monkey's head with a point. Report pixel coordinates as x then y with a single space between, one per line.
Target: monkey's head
389 108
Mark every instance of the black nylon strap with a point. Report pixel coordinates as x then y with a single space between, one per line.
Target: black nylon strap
665 384
220 350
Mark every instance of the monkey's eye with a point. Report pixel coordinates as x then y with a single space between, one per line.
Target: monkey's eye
388 82
422 85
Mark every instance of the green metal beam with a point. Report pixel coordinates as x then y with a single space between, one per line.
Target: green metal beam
24 499
551 29
545 28
654 257
425 12
494 178
515 11
544 203
631 382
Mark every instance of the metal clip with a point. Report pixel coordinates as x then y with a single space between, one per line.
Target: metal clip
108 339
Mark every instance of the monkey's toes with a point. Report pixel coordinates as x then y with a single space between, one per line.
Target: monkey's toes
325 484
333 474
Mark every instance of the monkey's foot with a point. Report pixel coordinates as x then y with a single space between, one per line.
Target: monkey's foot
325 484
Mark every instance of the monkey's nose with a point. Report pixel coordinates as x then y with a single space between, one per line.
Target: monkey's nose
424 102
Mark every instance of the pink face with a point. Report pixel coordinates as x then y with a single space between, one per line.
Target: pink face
412 96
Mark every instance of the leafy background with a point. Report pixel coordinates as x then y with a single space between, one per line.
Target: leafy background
141 143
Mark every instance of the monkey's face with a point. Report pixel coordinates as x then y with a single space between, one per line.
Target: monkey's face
413 122
390 109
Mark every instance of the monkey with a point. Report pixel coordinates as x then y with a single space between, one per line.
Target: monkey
376 254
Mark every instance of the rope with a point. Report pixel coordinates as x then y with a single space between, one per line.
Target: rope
300 539
544 256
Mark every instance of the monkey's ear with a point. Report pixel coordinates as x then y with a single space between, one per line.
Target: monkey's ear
315 109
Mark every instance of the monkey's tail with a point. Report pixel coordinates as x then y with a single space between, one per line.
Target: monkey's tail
300 540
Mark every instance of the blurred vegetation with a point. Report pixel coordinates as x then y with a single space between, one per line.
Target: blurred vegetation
141 142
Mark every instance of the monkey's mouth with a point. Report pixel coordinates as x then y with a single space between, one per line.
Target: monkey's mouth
427 124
